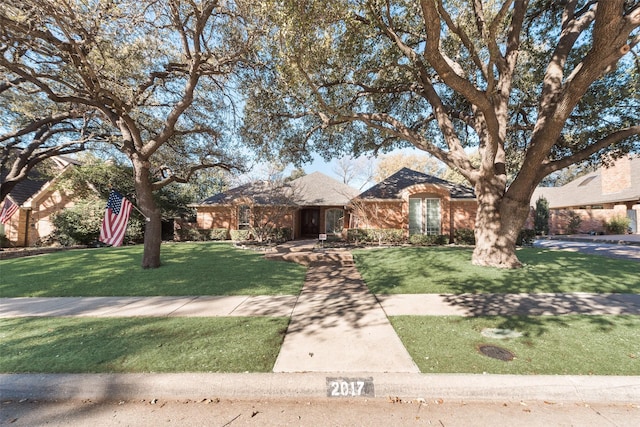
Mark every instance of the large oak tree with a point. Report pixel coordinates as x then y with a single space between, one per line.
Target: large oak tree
532 86
158 72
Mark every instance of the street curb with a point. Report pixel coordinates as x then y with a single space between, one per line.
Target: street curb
198 386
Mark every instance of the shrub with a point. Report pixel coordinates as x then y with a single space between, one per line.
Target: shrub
281 234
192 234
357 235
4 241
219 234
428 239
526 237
618 225
375 235
239 235
464 236
574 223
78 225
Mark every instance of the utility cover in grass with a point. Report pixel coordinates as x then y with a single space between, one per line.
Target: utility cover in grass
500 334
496 352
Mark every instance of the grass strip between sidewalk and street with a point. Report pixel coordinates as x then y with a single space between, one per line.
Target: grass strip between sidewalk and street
209 268
140 344
444 270
549 345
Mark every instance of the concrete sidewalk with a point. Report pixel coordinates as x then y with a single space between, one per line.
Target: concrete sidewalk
203 306
315 308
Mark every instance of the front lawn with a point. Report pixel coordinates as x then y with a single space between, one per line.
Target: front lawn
410 270
209 268
563 345
81 345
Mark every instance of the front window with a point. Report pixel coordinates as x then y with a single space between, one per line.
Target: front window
244 217
424 216
334 221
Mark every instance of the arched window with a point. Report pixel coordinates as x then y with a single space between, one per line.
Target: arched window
244 217
334 221
424 215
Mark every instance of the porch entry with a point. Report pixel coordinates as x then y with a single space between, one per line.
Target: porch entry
424 215
310 222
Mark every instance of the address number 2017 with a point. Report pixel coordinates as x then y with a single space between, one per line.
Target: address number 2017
350 387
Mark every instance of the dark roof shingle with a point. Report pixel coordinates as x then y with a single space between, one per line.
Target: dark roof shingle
392 187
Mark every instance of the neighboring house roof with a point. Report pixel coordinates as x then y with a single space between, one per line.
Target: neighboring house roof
26 188
591 189
393 187
35 181
315 189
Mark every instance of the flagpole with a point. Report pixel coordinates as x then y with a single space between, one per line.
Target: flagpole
141 213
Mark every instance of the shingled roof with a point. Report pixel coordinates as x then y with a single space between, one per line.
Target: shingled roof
588 190
392 187
315 189
35 181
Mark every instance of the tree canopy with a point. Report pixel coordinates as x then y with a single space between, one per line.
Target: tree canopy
158 73
533 86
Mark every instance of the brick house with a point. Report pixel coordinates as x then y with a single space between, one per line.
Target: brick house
37 198
594 199
416 203
306 206
409 201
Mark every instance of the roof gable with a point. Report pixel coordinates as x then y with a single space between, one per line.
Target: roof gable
35 181
393 186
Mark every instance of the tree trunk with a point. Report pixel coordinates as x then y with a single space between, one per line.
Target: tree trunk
498 223
153 224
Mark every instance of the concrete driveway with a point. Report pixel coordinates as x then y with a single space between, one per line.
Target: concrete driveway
619 246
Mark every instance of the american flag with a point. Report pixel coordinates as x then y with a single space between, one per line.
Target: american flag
115 219
8 210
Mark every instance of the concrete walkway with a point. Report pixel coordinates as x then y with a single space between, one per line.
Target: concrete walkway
337 325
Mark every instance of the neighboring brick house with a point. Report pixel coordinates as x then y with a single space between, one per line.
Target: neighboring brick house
416 203
37 198
317 204
595 199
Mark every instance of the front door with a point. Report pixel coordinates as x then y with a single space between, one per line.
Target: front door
310 222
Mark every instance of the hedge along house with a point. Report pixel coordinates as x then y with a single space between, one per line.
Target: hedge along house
305 207
415 203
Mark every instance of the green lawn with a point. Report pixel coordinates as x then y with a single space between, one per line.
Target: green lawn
602 345
567 345
187 269
81 345
410 270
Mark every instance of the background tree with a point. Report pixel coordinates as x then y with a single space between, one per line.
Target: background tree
541 218
534 86
388 164
34 129
159 73
354 171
